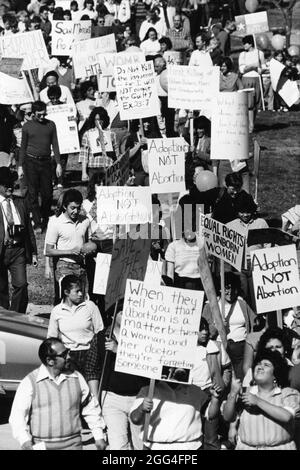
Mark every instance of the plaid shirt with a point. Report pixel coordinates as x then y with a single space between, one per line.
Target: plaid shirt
97 161
181 40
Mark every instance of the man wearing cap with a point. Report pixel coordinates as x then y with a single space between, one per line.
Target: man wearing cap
17 243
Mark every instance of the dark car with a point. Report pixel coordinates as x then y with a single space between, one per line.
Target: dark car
20 337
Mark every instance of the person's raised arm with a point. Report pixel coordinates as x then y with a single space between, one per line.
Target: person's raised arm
229 410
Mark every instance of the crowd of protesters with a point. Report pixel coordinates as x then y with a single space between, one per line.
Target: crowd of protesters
244 397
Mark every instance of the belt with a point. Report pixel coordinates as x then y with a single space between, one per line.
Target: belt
38 158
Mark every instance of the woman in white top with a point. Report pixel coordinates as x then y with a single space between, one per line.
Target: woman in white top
251 64
87 104
200 57
150 45
89 10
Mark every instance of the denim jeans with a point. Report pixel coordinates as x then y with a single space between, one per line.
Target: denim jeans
122 434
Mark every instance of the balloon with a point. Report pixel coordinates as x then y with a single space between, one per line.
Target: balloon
294 50
262 41
206 180
89 247
163 80
278 42
251 5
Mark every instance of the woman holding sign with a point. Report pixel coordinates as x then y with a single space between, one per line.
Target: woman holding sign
99 146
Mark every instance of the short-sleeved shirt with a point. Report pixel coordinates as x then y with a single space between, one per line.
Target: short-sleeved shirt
76 326
66 234
185 258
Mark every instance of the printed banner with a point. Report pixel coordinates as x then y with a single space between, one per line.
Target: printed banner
65 33
230 127
117 205
86 55
275 278
166 160
103 262
107 62
64 117
29 46
190 87
159 331
253 23
129 260
137 91
14 90
118 173
223 242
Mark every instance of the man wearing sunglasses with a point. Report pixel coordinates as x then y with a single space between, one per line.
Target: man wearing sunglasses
50 401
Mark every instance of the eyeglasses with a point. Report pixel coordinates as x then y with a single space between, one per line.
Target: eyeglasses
63 354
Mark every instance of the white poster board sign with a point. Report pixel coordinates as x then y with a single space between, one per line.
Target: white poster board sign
86 54
103 261
14 90
94 140
65 33
275 278
108 61
222 241
167 164
230 127
252 23
30 46
136 90
117 205
159 330
64 117
191 87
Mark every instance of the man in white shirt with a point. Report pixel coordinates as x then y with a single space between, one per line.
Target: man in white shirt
48 403
51 80
200 57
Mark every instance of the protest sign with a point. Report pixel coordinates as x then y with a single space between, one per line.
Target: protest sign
95 144
64 117
103 261
108 61
65 33
173 57
123 205
30 46
153 273
118 173
286 88
11 66
129 260
159 331
167 164
86 54
191 87
230 127
275 278
14 90
222 241
136 90
252 23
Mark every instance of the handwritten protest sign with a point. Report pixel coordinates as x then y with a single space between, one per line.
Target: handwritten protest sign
253 23
30 46
153 273
11 66
95 144
230 127
118 173
159 330
64 116
222 241
173 57
107 62
167 164
14 90
191 87
123 205
129 260
103 261
136 90
275 278
86 54
65 33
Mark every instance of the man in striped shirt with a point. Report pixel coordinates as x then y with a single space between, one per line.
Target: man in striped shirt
50 401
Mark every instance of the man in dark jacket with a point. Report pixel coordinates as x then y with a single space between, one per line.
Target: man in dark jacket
17 243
